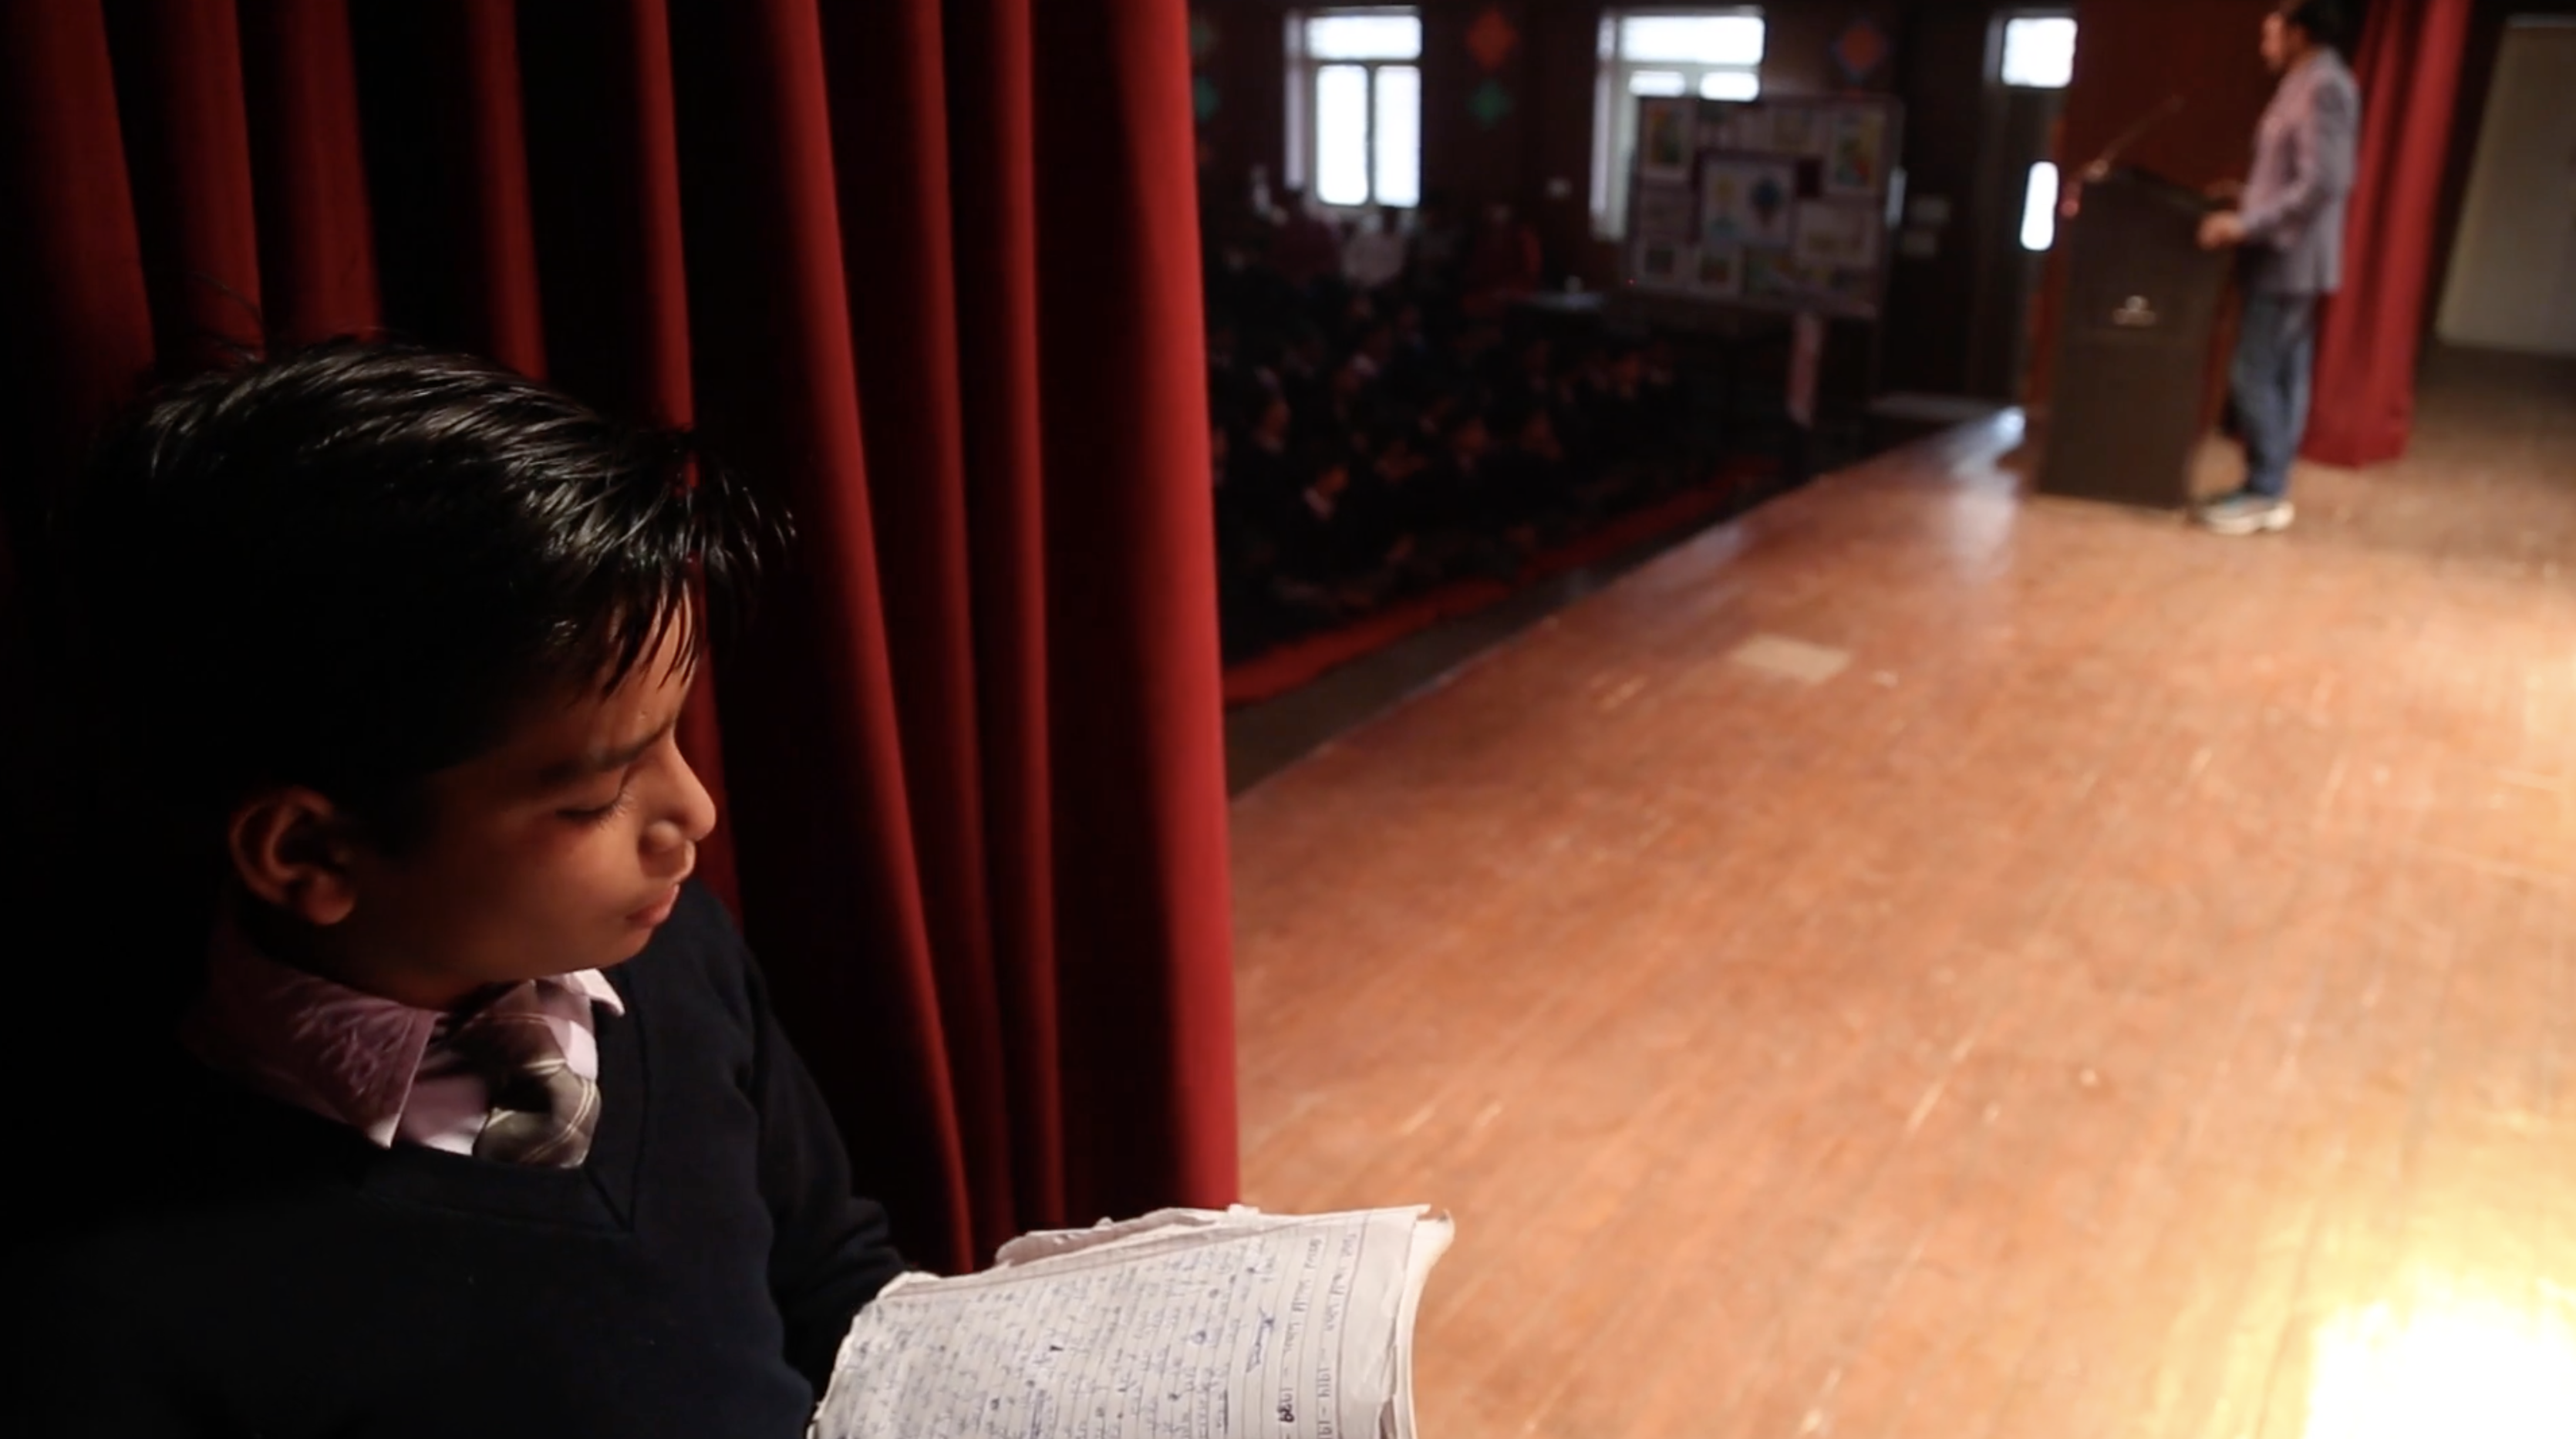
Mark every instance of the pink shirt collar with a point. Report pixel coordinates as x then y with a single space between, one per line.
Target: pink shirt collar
346 1055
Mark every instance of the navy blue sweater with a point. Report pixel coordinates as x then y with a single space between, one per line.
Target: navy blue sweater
255 1270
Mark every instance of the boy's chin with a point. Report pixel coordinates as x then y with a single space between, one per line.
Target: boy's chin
639 932
608 953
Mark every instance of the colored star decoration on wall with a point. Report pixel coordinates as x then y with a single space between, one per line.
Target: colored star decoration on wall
1491 40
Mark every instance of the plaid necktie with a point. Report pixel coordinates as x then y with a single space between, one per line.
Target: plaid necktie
542 1112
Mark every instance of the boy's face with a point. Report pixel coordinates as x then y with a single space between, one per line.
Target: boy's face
561 849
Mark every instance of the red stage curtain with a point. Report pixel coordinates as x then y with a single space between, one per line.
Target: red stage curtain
949 305
2409 69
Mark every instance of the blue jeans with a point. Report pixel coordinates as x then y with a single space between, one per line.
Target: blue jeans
2276 347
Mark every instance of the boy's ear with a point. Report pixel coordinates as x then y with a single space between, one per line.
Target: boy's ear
291 848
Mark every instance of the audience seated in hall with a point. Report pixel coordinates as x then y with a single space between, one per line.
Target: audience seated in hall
1380 431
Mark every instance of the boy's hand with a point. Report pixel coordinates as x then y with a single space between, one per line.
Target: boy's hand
2220 230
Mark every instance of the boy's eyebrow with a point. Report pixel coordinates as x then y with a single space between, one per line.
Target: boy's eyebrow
603 761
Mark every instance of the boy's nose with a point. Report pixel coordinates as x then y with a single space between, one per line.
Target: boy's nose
692 813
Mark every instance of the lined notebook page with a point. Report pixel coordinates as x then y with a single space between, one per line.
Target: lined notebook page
1184 1325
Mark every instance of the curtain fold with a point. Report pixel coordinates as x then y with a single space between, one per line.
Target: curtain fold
309 183
889 123
187 141
943 304
2408 67
1113 138
75 326
993 157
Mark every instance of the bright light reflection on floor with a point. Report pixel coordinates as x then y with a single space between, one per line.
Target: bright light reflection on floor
2469 1367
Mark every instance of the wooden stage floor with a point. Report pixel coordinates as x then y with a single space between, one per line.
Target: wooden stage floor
1928 961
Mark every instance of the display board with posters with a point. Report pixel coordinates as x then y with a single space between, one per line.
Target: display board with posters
1778 203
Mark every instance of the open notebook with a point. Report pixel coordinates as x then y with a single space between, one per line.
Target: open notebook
1185 1324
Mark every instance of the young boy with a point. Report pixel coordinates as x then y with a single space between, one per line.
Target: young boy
479 1121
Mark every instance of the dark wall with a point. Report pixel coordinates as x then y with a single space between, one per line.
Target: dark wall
2130 57
1475 158
1953 116
1244 64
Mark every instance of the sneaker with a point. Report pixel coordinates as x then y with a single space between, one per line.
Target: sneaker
2246 514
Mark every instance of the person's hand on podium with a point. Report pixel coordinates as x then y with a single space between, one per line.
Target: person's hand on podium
2221 229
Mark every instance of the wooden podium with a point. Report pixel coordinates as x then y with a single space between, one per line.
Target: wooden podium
2133 344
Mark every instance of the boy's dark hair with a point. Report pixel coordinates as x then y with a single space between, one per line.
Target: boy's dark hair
2322 19
356 565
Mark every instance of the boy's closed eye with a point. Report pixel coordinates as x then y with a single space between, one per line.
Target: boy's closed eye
603 812
598 787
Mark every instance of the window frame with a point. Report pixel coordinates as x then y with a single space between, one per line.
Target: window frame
2002 36
1614 110
1305 72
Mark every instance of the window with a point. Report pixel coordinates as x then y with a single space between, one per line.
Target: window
1713 54
2039 51
2039 208
1355 106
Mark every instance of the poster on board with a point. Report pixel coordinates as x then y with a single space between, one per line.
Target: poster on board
1856 163
1836 235
1720 274
1664 212
1667 132
1800 130
1659 264
1746 127
1747 200
1777 275
1779 204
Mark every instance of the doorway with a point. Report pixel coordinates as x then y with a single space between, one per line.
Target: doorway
2512 278
2030 56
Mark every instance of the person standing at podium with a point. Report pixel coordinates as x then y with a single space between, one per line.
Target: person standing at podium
2287 226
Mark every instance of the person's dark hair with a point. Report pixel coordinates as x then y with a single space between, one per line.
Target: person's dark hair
1458 421
2322 19
356 565
1316 456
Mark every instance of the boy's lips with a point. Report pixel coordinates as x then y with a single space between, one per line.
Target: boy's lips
659 910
